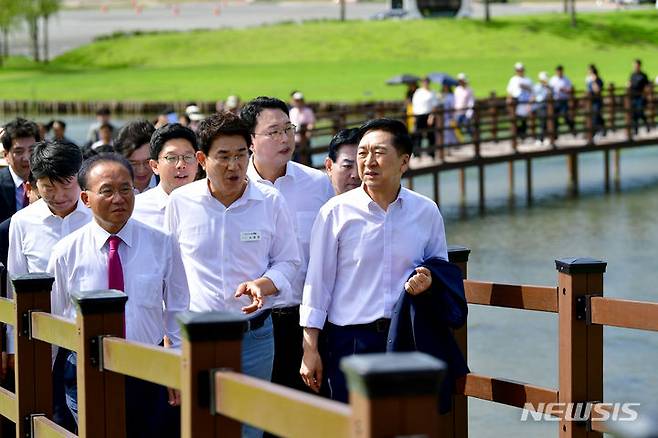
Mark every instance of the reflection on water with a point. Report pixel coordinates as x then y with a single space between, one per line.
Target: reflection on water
520 245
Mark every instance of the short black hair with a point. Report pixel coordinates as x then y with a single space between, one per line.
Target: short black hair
249 113
59 122
221 124
344 136
89 164
638 61
401 138
133 136
170 132
103 111
559 67
55 160
19 128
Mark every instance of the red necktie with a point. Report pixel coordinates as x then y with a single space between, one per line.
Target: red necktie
114 269
26 200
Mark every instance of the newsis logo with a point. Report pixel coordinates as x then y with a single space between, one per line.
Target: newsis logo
579 412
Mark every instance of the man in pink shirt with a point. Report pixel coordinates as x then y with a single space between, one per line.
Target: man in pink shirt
464 103
303 117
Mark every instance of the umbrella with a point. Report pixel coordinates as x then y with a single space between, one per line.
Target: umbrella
443 79
403 79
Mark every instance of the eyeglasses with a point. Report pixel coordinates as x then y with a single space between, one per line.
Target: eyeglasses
107 192
137 164
285 132
174 159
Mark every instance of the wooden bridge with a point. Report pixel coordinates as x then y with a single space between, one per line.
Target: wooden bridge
216 398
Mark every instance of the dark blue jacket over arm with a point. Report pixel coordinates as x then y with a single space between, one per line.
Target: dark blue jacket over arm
423 323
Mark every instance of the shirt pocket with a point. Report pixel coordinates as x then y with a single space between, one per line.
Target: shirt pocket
146 291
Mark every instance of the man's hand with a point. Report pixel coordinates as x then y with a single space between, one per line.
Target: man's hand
174 397
311 367
419 282
257 290
311 370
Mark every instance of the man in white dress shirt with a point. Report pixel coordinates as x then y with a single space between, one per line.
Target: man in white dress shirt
173 158
133 143
236 237
340 163
116 252
305 190
562 90
365 244
36 229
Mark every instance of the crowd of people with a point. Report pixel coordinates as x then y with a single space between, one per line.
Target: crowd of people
322 265
529 98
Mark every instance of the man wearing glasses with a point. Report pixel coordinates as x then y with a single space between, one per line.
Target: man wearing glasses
133 143
305 190
173 158
114 251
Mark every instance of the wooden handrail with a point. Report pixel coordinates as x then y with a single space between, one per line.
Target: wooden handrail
277 409
8 404
156 364
514 296
7 314
639 315
45 428
54 330
503 391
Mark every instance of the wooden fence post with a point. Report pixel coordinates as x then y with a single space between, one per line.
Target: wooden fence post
589 123
511 108
33 377
210 340
101 394
394 394
455 423
551 127
493 109
580 343
651 106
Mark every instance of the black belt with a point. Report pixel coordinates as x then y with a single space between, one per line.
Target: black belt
257 321
284 311
380 325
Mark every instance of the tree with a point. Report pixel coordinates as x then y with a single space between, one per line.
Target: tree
47 8
9 17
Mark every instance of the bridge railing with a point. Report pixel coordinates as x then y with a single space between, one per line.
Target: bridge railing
206 370
394 395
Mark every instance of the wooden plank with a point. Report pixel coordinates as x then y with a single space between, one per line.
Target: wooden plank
54 330
279 410
45 428
507 392
7 314
515 296
8 404
156 364
625 313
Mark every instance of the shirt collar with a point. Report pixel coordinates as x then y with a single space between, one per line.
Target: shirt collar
252 173
160 196
18 181
100 235
43 212
364 200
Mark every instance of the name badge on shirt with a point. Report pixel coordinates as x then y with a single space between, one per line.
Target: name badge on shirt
249 236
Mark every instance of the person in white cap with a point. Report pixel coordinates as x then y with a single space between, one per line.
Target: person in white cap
540 94
519 89
464 103
302 116
232 104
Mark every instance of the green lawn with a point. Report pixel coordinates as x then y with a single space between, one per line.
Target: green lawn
336 61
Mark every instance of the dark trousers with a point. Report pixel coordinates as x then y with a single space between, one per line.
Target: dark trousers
343 341
637 105
421 127
288 350
598 123
562 109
